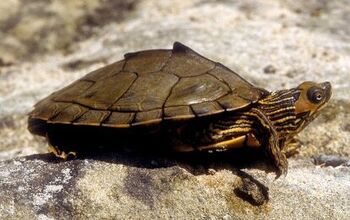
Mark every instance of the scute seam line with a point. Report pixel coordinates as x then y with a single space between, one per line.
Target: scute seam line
166 99
137 76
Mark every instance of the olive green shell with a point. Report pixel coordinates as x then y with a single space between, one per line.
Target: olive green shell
149 87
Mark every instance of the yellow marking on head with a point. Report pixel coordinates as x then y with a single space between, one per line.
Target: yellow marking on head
313 97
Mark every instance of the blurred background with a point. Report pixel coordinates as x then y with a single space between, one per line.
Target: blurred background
276 44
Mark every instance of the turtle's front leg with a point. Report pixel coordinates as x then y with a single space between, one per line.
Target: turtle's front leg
273 145
278 156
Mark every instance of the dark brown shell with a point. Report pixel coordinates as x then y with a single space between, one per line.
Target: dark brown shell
148 87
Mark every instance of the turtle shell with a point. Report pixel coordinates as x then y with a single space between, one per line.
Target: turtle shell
148 87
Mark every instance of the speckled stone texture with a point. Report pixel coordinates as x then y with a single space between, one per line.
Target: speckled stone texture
112 187
276 44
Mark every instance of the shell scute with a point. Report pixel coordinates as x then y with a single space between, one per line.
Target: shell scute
197 89
70 93
69 114
105 71
148 117
186 62
107 91
207 108
147 61
237 84
47 109
119 119
178 112
232 102
92 117
146 93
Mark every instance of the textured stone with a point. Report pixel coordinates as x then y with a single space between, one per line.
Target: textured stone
121 187
33 27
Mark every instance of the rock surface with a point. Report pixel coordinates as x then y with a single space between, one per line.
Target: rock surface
278 44
30 28
37 186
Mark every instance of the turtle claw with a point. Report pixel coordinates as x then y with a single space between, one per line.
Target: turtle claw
281 164
62 154
279 159
281 172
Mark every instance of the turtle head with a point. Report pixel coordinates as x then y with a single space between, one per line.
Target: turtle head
312 97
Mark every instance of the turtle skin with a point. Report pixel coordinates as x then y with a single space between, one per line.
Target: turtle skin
146 88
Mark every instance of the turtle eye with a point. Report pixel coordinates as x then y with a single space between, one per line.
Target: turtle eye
315 95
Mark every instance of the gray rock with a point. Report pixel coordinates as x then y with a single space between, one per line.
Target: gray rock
39 186
30 28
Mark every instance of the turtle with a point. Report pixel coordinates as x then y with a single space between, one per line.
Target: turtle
198 104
